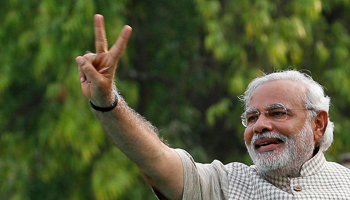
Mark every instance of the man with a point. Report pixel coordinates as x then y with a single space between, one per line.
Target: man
287 130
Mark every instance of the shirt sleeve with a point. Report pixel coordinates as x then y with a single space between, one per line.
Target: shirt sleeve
203 181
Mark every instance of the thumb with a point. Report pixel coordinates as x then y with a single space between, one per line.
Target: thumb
88 69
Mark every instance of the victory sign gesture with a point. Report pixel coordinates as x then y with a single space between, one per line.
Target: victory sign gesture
97 70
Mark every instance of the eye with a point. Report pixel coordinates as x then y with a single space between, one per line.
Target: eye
277 113
252 117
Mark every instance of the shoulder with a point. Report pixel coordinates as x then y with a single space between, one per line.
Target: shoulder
336 174
235 168
217 166
203 181
242 174
336 168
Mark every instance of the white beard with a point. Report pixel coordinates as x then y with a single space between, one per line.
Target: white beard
287 161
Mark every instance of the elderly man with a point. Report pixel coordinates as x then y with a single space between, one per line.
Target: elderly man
287 131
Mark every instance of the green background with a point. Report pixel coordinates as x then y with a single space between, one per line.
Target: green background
186 63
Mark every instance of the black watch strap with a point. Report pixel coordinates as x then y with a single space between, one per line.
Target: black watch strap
106 109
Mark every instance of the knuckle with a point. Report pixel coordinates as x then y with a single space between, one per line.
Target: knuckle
86 68
89 56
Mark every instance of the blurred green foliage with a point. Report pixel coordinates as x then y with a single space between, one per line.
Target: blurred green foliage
185 65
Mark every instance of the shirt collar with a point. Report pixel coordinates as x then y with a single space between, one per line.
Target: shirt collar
314 165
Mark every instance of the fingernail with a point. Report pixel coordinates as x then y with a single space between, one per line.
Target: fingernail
80 61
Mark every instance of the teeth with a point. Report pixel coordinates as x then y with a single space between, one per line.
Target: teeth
263 144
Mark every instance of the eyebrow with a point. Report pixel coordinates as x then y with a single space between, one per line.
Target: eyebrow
272 106
251 110
275 106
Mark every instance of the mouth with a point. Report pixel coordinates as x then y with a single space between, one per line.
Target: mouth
267 144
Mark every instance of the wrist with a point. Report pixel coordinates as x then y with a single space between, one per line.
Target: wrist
107 108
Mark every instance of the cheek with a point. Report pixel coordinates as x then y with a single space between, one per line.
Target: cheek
248 134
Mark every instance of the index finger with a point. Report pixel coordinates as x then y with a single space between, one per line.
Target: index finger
119 46
101 43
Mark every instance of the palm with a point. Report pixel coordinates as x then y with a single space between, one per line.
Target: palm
105 66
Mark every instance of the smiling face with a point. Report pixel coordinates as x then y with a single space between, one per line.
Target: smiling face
280 147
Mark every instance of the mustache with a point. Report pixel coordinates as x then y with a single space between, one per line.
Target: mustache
274 135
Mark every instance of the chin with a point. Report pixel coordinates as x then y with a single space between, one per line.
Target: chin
275 162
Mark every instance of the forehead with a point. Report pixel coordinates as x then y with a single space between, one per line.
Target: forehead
287 92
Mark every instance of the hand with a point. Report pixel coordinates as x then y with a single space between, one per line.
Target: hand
96 71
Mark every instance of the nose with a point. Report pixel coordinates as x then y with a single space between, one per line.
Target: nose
263 124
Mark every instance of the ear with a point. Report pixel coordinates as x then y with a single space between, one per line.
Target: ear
320 123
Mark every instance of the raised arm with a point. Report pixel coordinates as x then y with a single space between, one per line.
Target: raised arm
134 136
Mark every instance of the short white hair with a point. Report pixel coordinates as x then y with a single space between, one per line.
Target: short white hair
314 98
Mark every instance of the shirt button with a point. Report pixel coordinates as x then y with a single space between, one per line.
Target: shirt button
297 188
